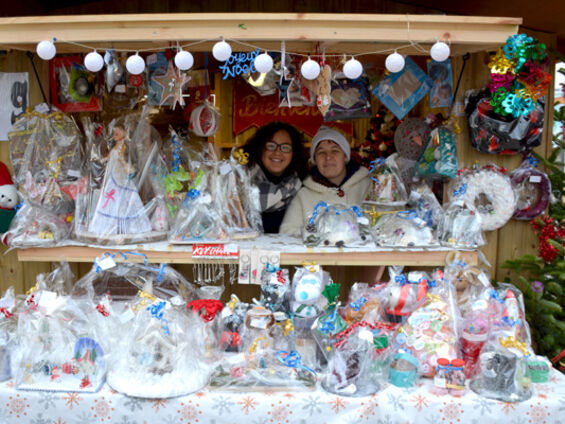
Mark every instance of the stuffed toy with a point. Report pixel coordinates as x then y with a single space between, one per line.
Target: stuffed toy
9 198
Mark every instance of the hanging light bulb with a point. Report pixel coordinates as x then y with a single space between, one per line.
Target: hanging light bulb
135 64
263 63
310 69
46 50
440 51
184 60
394 62
352 68
93 61
221 51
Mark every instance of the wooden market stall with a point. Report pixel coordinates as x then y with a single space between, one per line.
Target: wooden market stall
332 33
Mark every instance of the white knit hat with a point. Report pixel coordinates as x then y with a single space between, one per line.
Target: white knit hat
327 133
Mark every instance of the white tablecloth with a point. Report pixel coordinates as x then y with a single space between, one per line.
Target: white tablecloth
391 405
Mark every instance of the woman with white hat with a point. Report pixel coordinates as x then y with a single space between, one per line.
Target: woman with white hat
334 178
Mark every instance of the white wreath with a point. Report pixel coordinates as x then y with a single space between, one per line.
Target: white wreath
498 190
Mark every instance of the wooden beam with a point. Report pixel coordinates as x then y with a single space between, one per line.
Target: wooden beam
348 258
344 33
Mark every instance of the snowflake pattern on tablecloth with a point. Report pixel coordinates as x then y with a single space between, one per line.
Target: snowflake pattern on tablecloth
48 398
134 403
433 419
59 421
538 413
169 419
312 405
72 399
248 403
483 404
368 407
126 420
222 404
396 401
451 412
420 402
189 411
40 420
280 412
4 415
102 409
507 407
84 417
519 420
338 403
158 404
17 405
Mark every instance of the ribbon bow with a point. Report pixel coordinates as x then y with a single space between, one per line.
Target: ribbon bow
109 196
210 306
144 297
292 359
309 265
461 191
360 302
512 342
242 156
157 310
6 313
100 308
532 161
271 268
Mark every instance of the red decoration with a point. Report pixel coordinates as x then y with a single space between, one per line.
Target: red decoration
102 310
208 308
548 229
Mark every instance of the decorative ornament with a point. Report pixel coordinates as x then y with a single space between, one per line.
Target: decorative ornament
263 63
46 50
242 156
394 62
440 51
135 64
310 69
221 51
184 60
204 120
352 68
499 64
93 61
173 83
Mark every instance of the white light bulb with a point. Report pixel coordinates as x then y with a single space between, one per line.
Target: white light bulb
46 50
93 61
221 51
310 69
184 60
135 64
352 68
394 62
263 63
440 51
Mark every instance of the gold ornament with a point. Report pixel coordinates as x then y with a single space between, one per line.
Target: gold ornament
499 64
512 342
242 156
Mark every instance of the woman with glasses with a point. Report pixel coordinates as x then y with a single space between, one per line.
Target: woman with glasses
276 166
334 178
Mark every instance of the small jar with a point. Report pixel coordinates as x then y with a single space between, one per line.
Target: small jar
441 377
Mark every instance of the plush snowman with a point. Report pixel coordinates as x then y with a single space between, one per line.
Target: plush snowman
307 300
9 198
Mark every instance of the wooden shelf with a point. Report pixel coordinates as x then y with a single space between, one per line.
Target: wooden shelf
345 257
337 33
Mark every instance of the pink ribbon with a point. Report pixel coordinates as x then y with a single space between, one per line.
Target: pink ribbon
109 196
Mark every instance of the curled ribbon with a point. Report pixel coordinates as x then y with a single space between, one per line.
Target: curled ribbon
176 153
512 342
100 308
309 265
292 359
242 156
109 196
157 311
253 347
144 297
6 313
208 308
374 165
357 305
460 191
271 268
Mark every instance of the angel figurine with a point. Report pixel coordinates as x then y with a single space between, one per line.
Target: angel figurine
119 209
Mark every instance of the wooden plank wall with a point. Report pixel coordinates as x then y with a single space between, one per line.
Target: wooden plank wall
513 240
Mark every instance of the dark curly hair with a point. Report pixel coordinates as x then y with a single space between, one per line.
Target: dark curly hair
255 145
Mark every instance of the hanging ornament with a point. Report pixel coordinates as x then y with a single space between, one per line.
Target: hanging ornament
135 64
205 120
172 83
352 68
440 51
310 69
46 50
394 62
221 51
263 63
93 61
184 60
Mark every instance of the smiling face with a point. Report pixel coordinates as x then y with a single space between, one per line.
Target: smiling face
330 160
277 161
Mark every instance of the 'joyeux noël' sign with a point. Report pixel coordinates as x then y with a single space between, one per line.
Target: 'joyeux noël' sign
214 250
239 63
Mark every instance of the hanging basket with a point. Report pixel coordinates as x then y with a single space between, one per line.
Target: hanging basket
205 120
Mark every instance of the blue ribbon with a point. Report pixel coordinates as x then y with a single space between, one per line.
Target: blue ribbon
373 165
176 153
462 190
400 279
157 311
322 204
496 296
97 267
408 214
19 207
357 305
271 268
137 254
328 325
532 161
292 359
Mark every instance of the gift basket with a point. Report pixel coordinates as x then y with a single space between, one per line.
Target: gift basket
403 229
462 225
364 304
507 116
387 188
439 158
469 281
488 192
45 152
330 323
58 346
8 323
532 188
404 294
335 225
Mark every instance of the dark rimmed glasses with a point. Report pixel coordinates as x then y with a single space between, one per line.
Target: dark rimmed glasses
271 146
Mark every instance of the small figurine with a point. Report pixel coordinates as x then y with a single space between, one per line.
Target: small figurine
9 198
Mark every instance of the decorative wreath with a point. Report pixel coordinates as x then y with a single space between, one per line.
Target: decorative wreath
533 191
488 191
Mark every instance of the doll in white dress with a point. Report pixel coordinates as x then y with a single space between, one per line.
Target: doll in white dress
119 209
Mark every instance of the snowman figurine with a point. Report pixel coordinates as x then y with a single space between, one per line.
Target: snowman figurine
9 198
